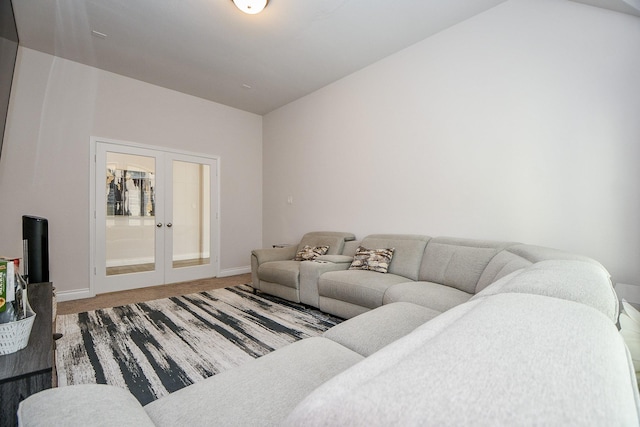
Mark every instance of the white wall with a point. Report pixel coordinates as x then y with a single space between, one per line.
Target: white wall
519 124
57 105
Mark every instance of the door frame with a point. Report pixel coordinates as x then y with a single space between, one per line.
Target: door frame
215 200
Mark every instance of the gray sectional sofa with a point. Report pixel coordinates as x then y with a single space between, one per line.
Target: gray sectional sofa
439 272
457 332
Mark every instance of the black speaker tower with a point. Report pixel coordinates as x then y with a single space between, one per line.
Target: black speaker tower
35 240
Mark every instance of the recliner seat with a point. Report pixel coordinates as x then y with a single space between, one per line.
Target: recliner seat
276 272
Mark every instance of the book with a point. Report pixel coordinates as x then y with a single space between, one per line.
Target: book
8 310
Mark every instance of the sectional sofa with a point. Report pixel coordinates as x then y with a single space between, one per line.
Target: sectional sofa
457 332
439 273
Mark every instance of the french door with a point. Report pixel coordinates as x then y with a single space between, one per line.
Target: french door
156 218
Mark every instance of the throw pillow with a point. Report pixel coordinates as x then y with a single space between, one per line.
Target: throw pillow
372 259
307 253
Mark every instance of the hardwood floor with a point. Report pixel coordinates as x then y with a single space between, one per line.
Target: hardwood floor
114 299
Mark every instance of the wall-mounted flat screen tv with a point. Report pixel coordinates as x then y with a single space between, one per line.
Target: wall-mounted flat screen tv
8 55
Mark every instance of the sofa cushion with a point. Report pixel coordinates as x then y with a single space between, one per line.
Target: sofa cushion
369 332
344 310
377 260
260 392
359 287
409 249
308 253
458 263
482 363
82 405
427 294
285 273
579 281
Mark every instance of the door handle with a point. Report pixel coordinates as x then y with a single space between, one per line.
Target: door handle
159 225
169 225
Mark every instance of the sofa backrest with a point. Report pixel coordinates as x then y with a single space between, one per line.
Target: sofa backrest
409 249
351 247
458 263
334 239
517 256
585 282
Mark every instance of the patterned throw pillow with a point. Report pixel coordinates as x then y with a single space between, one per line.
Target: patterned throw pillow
372 259
309 254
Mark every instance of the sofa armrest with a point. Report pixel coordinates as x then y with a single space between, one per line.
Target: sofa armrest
310 272
274 254
260 256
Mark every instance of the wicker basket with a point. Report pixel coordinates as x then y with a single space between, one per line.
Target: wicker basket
14 336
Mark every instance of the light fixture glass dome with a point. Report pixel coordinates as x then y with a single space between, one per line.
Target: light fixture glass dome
251 6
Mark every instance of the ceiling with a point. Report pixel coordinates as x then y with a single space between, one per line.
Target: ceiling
209 49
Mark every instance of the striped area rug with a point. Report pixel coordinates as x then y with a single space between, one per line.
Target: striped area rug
157 347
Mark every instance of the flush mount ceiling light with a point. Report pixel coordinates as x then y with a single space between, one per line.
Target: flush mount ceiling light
251 6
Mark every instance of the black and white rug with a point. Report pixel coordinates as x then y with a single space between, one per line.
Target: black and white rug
157 347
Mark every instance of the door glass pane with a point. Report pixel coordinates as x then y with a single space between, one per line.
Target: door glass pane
130 216
191 214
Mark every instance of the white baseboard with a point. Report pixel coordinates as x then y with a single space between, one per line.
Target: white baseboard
234 271
631 293
73 295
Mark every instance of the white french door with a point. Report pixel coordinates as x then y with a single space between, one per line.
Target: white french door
190 226
156 218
